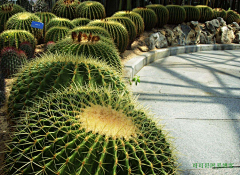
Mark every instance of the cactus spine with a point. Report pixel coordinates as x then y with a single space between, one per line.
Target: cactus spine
232 16
45 17
56 34
192 13
177 14
148 15
81 21
61 22
161 12
218 12
206 13
27 48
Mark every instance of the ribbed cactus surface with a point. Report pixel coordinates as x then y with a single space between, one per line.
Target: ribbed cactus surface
27 48
56 33
219 12
161 12
89 131
41 75
61 22
177 14
148 15
81 21
45 17
206 13
192 13
232 16
91 10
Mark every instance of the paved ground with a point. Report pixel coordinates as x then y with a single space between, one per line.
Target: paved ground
198 97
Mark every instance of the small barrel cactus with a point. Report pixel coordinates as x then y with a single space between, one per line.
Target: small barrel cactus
148 15
192 13
15 38
129 24
91 10
40 6
81 21
135 17
89 131
2 90
61 22
219 12
45 17
161 12
206 13
232 16
49 45
177 14
27 48
66 8
22 21
11 61
56 33
6 11
49 71
116 30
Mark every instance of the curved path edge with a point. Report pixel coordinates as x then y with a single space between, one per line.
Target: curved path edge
133 66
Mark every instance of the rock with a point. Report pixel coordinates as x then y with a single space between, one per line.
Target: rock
162 41
157 40
215 23
210 27
221 21
237 38
194 23
186 29
171 39
180 36
225 35
143 48
207 38
234 24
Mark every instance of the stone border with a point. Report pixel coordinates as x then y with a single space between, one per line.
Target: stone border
133 66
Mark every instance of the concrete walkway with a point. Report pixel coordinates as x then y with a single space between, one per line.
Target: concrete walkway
198 97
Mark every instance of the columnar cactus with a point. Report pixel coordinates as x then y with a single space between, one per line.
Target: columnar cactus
148 15
91 10
27 48
22 21
232 16
56 33
2 90
206 13
89 131
192 13
45 17
61 22
6 11
116 30
81 21
135 17
219 12
66 8
15 38
161 12
177 14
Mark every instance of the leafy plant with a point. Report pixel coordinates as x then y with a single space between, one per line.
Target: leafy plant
136 79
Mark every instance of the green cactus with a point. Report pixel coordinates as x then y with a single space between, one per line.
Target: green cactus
6 11
192 13
56 34
162 14
81 21
41 75
177 14
66 8
27 48
91 10
90 44
61 22
206 13
232 16
135 17
22 21
15 38
89 131
219 12
2 90
45 17
49 45
116 30
40 6
129 25
148 15
11 61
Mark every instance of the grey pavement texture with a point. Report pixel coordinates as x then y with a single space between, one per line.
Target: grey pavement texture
197 98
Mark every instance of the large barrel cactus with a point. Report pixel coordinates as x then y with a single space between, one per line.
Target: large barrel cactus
66 8
135 17
45 17
91 10
22 21
41 75
15 38
6 11
219 12
206 13
192 13
56 33
161 12
61 22
81 21
177 14
89 131
232 16
116 30
2 90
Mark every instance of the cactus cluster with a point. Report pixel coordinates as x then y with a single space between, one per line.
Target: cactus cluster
192 13
27 48
206 13
45 17
81 21
56 33
161 12
219 12
177 14
2 89
6 11
88 131
232 16
61 22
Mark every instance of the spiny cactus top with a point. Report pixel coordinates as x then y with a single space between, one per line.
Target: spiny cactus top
89 131
62 22
81 21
